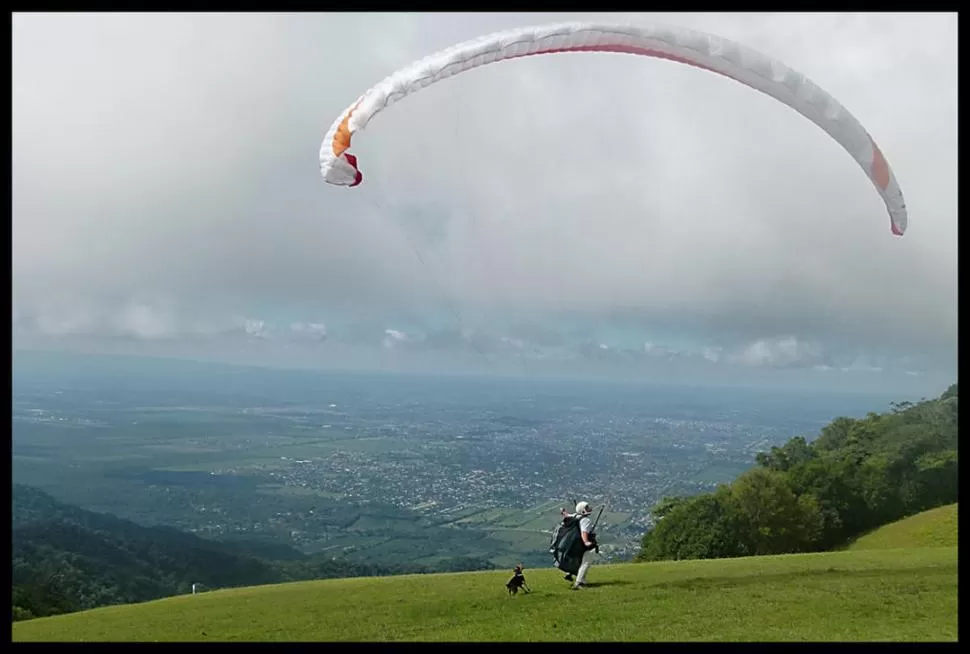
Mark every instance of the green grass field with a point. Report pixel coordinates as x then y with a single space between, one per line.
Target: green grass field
898 583
934 528
876 595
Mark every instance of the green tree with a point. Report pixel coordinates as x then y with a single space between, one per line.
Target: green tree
831 481
932 481
700 527
795 452
772 518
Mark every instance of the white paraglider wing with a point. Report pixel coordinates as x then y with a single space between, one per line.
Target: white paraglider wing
706 51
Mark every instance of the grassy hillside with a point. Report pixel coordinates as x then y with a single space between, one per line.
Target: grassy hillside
865 595
934 528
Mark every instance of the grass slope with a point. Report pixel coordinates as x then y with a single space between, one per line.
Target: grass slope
874 595
934 528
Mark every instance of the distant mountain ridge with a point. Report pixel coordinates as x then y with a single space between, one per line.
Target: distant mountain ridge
67 559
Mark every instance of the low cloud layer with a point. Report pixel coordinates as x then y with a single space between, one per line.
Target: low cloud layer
165 189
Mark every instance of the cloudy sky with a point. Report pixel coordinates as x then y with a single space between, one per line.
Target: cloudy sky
571 214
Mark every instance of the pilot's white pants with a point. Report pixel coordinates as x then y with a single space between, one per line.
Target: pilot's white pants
584 566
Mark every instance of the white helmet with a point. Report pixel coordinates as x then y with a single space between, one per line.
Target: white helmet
582 508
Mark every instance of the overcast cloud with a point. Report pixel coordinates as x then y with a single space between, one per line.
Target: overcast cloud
605 210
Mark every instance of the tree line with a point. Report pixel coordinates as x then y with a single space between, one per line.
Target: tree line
815 496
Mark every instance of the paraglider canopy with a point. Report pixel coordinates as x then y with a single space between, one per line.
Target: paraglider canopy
760 72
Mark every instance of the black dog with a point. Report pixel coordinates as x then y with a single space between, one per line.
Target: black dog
517 581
